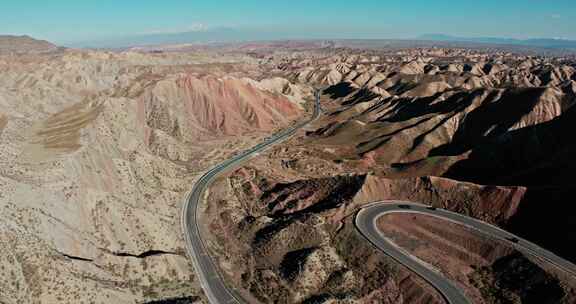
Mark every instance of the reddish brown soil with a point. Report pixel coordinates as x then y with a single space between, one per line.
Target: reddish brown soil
462 254
212 106
467 131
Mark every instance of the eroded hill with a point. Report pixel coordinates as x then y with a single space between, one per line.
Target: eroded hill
24 44
478 133
100 148
97 153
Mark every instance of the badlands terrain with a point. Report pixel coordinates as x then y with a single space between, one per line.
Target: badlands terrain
98 152
99 149
484 134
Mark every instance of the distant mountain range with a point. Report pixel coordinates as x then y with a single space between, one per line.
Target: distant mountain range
211 35
227 35
541 43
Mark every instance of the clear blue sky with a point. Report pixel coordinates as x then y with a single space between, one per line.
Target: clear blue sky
65 21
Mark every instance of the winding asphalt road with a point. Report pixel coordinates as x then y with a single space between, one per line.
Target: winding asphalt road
207 272
366 223
218 293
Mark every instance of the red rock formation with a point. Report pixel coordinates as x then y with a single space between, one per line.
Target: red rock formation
191 108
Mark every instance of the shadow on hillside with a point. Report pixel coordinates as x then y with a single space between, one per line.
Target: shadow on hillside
492 119
547 217
423 106
363 95
540 157
339 90
343 190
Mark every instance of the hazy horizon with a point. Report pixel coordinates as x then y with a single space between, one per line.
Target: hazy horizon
69 22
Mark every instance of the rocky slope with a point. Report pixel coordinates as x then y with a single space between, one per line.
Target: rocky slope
24 44
299 234
495 119
212 106
468 131
483 267
516 279
98 150
97 153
